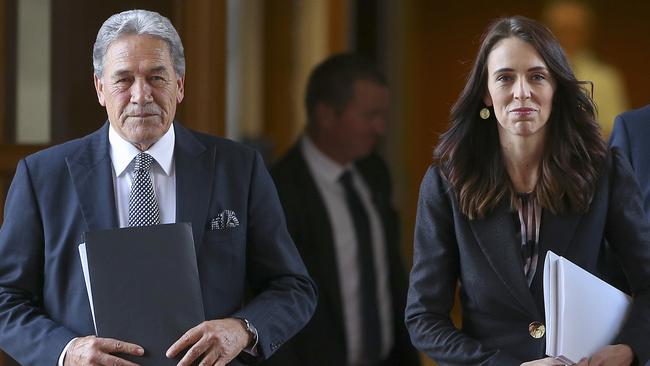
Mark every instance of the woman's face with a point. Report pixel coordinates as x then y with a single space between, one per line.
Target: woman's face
520 87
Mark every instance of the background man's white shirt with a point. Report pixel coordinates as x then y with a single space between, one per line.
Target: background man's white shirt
326 173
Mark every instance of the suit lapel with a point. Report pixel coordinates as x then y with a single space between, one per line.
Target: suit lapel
194 180
91 173
319 236
495 235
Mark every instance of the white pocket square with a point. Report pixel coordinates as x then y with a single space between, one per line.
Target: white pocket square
225 219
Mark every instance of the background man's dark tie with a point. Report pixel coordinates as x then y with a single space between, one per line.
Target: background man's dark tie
370 324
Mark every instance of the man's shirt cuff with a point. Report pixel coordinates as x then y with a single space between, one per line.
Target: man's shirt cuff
65 350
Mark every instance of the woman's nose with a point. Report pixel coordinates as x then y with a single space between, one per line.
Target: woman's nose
522 90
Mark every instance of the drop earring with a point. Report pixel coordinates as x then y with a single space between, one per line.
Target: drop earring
484 113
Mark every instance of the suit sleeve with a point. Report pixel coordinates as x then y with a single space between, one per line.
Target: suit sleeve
628 232
284 295
620 137
26 331
433 282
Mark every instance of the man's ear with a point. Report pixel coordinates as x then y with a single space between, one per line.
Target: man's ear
180 83
487 99
99 88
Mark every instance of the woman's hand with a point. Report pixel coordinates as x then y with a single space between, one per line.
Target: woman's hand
544 362
616 355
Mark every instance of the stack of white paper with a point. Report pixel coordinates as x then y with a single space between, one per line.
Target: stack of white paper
84 266
583 312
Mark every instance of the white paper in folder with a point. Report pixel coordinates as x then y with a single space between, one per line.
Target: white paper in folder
583 312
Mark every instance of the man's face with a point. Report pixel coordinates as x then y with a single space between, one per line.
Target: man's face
139 88
353 133
571 24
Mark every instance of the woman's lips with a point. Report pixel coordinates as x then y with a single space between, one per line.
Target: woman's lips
523 112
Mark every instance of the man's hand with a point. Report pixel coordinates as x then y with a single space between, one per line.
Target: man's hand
93 351
616 355
548 361
217 341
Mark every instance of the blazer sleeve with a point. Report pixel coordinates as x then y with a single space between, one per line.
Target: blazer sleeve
26 331
620 137
284 294
433 282
628 232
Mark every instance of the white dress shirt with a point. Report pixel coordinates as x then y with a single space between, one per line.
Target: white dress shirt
163 177
163 174
326 173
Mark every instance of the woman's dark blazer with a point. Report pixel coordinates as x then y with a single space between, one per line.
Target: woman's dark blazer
483 254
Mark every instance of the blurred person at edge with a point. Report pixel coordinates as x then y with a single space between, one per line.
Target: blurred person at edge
630 135
522 170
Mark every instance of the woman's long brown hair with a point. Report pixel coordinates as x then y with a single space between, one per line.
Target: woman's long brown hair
469 154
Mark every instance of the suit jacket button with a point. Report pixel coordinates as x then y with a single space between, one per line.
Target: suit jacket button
536 330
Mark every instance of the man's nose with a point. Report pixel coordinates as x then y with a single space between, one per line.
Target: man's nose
141 92
379 124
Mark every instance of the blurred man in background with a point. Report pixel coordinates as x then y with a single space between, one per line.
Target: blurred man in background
573 23
336 194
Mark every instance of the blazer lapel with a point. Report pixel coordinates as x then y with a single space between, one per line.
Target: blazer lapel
494 235
194 180
319 237
555 234
91 174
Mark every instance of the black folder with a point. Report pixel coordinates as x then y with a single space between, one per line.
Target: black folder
145 287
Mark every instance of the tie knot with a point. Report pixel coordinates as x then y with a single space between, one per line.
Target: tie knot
143 162
346 178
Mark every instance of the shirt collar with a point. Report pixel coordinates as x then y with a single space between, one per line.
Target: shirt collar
123 152
320 164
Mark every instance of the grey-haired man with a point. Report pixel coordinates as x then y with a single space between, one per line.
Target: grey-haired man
61 192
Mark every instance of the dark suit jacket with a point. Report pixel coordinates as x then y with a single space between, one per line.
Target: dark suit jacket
631 134
60 192
310 228
484 255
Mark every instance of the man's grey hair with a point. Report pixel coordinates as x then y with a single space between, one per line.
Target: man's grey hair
138 22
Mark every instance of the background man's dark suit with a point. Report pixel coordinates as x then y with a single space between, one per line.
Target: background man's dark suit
59 193
322 341
631 135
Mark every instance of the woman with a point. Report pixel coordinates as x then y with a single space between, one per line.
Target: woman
521 171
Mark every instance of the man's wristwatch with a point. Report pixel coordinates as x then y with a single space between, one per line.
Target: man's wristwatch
250 328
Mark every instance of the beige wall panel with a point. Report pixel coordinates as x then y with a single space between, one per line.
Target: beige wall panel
202 24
